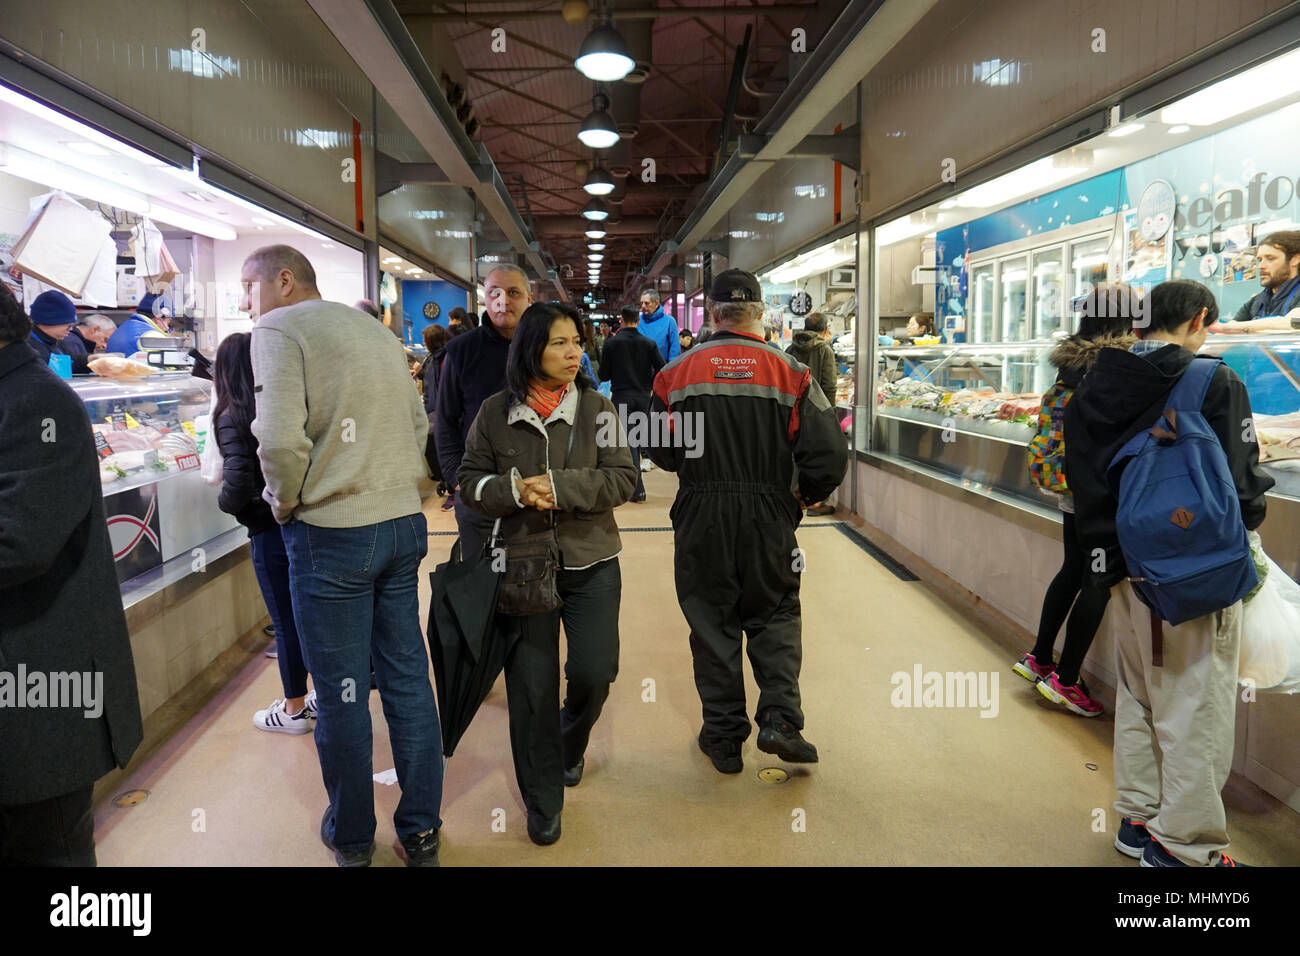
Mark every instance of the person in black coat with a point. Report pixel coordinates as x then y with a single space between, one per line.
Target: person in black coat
60 614
474 368
629 362
436 338
242 485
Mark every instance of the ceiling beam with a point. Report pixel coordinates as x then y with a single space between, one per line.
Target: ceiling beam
451 15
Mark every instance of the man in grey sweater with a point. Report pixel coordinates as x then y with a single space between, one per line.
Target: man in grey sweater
341 434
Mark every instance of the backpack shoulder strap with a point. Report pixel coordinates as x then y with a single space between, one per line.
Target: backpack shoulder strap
1189 394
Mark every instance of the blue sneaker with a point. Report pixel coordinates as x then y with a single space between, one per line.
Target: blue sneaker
1132 838
1156 855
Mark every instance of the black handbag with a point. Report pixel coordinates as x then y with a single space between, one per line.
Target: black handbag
528 583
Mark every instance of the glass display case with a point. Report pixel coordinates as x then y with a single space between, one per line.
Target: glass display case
969 411
149 433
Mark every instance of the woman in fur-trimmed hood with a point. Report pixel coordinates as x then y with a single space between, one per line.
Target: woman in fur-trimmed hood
1106 318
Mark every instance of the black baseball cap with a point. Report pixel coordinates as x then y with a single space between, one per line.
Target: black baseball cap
735 285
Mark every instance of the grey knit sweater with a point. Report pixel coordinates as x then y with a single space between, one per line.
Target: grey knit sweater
340 426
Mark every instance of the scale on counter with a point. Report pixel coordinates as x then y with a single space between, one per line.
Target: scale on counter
170 351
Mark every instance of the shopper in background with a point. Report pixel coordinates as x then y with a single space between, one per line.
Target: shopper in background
757 418
551 413
456 317
152 319
435 343
60 613
53 317
1173 723
474 368
242 485
341 435
658 326
630 363
1277 305
1106 319
811 346
686 338
590 349
94 332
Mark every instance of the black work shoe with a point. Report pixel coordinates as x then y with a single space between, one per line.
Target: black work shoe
543 830
344 857
573 776
725 754
421 850
777 736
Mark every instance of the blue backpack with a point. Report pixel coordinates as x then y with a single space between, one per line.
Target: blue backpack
1179 518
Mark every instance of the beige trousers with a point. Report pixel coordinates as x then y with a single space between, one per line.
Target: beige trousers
1174 725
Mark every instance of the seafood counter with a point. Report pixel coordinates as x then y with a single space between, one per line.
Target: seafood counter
149 436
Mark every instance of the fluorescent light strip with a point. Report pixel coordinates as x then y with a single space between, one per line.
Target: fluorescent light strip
31 107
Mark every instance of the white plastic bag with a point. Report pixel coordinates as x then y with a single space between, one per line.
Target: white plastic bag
210 462
1270 640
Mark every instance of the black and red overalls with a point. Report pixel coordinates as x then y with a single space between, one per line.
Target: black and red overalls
755 417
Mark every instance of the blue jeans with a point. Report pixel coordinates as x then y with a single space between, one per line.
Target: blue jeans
271 564
356 599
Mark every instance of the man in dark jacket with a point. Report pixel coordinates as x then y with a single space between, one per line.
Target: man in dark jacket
737 560
54 316
811 346
473 368
629 362
1169 802
69 710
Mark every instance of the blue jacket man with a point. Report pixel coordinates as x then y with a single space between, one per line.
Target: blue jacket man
659 327
152 317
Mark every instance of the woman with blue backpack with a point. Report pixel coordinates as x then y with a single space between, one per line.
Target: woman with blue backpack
1105 321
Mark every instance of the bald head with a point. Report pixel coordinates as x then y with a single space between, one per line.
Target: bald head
507 294
276 276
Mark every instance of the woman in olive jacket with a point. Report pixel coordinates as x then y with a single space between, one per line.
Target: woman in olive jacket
549 452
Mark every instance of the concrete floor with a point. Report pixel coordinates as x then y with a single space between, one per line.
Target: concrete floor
896 785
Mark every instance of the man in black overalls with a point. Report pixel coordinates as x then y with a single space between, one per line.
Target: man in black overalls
745 415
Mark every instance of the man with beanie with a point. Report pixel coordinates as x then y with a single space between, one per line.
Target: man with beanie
53 316
341 434
745 417
658 326
152 318
60 614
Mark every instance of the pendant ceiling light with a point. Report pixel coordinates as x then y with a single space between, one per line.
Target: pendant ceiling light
595 210
596 232
604 55
595 256
595 246
599 182
594 281
598 129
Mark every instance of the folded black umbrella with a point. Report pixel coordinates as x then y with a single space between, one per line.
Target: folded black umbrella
468 640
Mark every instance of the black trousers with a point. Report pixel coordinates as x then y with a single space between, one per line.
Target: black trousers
736 574
628 403
1072 594
59 831
545 738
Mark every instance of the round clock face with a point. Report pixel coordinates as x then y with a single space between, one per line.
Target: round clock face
431 310
1156 208
801 303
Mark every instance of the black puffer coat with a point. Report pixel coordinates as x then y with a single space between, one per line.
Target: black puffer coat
241 477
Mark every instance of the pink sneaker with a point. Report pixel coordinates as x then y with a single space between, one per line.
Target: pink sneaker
1029 668
1074 696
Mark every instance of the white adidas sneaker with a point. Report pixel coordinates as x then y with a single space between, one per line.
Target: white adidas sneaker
275 719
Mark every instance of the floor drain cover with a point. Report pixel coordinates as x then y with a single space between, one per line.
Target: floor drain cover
773 775
130 798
